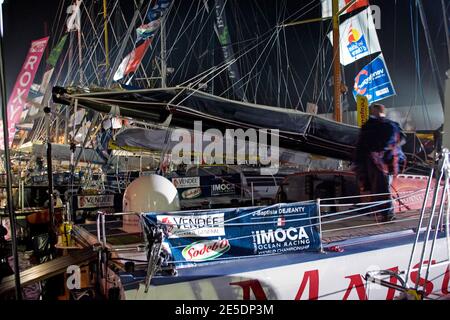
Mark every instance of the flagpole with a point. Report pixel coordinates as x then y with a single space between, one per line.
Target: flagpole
105 17
10 204
336 62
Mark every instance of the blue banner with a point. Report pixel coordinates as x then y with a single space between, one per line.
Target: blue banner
214 235
373 81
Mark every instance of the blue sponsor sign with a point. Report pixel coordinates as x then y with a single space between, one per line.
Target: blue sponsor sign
213 235
373 81
208 186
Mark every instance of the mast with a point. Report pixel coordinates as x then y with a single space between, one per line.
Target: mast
336 51
163 53
336 63
10 203
105 26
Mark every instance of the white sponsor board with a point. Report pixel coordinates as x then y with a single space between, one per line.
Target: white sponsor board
95 201
337 278
207 225
187 182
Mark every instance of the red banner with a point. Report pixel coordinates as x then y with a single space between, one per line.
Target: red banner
327 6
24 81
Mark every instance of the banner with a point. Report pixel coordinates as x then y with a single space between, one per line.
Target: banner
327 6
99 201
373 81
362 109
145 34
208 235
19 95
223 35
358 37
132 61
208 186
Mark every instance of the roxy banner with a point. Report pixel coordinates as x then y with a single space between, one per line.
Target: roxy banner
22 87
208 235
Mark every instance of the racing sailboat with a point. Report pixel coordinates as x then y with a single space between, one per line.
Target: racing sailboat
285 251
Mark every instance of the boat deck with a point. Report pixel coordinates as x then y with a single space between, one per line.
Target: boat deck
334 230
368 225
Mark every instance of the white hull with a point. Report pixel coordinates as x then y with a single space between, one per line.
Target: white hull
331 276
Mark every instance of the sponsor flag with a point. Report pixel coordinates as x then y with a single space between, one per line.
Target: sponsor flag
153 20
46 80
145 34
22 87
373 81
327 6
358 37
74 20
221 28
56 52
132 61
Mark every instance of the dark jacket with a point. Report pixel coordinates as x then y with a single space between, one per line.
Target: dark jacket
380 141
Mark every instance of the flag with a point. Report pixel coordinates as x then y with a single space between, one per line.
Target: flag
153 20
74 20
131 62
56 52
373 81
145 34
327 6
22 87
46 80
221 28
358 37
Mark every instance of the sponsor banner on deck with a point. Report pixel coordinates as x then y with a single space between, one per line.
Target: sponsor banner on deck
201 225
95 201
373 81
200 236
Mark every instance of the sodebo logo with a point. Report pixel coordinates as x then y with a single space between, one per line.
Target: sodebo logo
206 250
281 235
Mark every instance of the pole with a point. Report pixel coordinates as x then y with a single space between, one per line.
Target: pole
336 63
105 17
163 53
446 26
51 209
10 203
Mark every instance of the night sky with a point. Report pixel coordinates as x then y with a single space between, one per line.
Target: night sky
25 21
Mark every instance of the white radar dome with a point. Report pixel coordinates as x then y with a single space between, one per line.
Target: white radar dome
151 193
